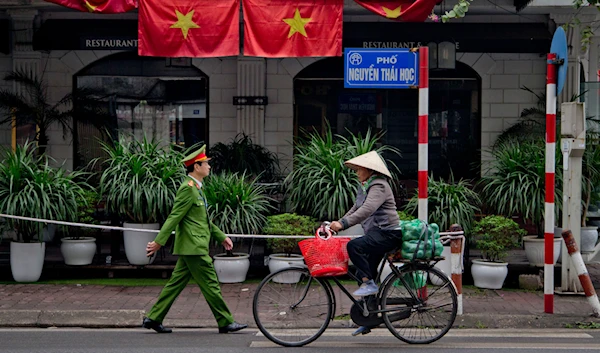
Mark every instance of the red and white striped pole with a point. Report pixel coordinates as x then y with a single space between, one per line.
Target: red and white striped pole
423 130
584 277
550 169
456 264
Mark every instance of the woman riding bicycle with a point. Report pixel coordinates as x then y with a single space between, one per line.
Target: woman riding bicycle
375 209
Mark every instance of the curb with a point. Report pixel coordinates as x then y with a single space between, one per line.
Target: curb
133 319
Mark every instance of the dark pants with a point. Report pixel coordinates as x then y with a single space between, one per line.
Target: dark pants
367 251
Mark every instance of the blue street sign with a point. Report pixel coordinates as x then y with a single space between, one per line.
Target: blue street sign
381 68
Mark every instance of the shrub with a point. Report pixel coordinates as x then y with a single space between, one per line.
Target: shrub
495 235
288 224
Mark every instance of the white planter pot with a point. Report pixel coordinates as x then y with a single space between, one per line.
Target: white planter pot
490 275
78 252
231 269
444 265
589 237
558 234
279 261
48 233
135 242
534 249
27 261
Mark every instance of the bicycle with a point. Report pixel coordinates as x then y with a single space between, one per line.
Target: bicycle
416 301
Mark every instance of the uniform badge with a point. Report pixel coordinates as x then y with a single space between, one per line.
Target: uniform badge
191 183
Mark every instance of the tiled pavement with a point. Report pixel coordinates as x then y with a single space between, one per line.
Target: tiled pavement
481 307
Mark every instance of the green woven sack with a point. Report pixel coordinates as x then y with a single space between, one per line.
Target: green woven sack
415 280
428 240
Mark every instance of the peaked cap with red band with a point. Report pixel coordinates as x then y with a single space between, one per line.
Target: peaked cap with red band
197 156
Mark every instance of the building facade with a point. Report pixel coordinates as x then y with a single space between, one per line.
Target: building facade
186 101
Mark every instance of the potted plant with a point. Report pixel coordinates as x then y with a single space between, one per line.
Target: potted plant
320 185
237 205
80 246
283 248
494 235
514 185
30 187
139 182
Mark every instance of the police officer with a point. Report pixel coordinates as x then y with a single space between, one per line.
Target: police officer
193 232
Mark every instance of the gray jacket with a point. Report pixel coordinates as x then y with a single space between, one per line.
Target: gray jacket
374 209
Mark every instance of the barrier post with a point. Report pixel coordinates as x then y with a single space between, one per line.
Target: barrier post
456 264
584 276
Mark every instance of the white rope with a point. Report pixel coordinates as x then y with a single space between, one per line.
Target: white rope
257 236
449 236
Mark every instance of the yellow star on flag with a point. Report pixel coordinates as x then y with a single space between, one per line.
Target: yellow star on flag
297 24
90 7
184 22
395 13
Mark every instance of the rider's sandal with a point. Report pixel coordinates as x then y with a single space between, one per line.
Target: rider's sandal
362 330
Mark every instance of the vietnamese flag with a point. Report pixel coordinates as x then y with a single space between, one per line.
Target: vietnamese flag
400 10
98 6
189 28
281 28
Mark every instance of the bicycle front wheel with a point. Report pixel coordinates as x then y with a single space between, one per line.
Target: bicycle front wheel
292 308
419 305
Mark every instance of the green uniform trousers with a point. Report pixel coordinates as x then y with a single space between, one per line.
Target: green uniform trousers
201 269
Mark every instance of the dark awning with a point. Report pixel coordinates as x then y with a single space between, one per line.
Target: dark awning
5 36
86 35
470 37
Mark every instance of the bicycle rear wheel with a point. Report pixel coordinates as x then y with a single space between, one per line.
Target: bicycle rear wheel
422 304
292 313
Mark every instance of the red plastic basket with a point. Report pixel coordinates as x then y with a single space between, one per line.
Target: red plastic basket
325 256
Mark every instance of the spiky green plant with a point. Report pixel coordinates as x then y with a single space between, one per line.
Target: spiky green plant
515 182
140 179
449 202
321 185
236 204
30 187
288 224
241 155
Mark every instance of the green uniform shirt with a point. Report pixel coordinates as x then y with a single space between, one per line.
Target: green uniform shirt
189 219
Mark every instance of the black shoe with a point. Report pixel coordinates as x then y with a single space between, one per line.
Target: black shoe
232 327
156 326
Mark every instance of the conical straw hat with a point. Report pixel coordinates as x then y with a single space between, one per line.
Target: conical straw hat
370 160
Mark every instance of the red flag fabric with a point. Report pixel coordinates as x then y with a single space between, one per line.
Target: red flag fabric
189 28
98 6
280 28
400 10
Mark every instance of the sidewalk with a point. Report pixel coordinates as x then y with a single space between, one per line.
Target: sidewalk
40 305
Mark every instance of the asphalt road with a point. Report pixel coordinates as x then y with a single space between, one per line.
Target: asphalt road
54 340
